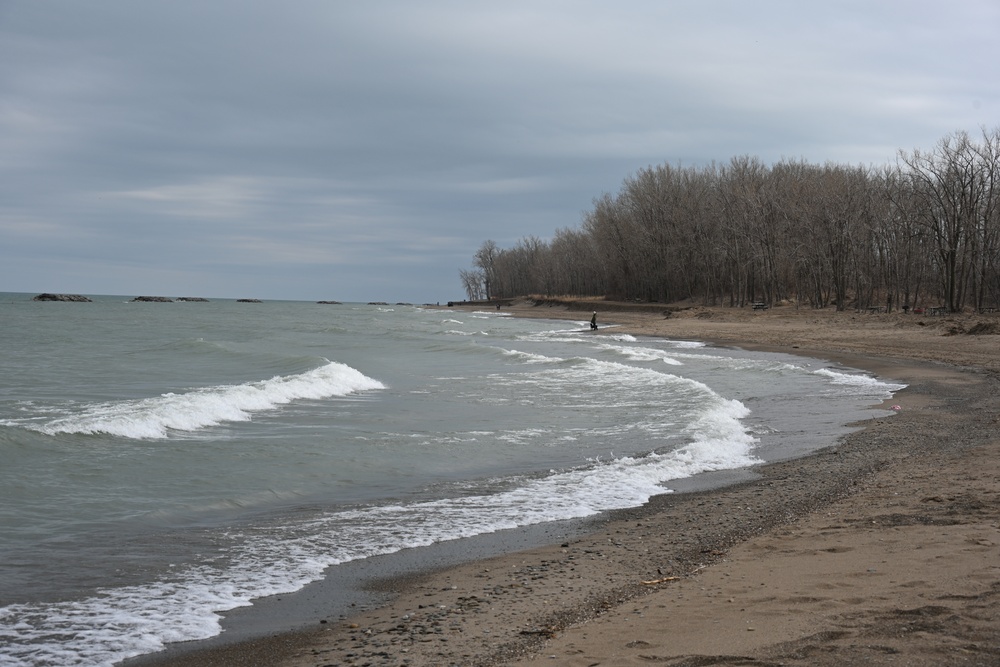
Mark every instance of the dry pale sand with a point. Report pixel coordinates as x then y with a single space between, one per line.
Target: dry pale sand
882 550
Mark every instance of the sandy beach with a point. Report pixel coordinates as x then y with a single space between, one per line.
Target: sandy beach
881 550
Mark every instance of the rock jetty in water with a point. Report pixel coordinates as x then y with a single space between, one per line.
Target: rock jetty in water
62 297
249 301
193 298
154 299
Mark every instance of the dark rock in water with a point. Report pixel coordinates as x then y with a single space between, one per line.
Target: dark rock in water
192 298
335 303
249 301
154 299
62 297
378 303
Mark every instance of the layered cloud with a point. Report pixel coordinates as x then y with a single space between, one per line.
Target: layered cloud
363 151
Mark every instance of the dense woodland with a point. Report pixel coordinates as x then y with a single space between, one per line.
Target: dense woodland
923 232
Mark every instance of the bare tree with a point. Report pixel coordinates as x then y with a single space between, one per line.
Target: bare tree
952 195
903 242
614 237
987 229
576 264
474 285
485 260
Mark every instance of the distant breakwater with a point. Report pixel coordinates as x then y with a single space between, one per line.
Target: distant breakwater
79 298
61 297
48 296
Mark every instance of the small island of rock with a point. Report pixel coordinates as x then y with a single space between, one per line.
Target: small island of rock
154 299
62 297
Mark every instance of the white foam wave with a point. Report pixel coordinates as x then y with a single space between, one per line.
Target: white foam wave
200 408
556 337
687 343
581 331
531 357
866 383
643 354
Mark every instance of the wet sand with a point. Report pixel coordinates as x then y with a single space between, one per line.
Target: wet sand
883 549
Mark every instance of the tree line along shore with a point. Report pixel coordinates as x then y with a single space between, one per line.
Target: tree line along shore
921 232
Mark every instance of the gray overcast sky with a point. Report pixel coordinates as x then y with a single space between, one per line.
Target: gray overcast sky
363 151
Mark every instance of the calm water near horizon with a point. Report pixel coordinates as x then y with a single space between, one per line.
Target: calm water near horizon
163 462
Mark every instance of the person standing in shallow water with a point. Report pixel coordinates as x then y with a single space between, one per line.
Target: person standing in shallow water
593 321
